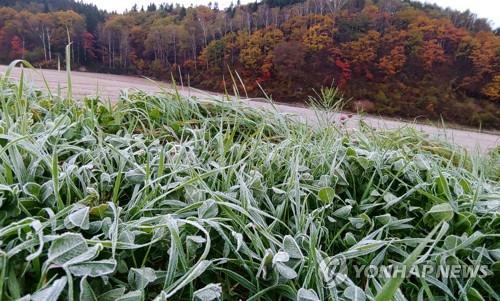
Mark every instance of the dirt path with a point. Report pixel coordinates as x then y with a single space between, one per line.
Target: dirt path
109 86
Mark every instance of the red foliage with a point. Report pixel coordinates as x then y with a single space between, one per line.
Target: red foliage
346 72
89 44
16 48
398 59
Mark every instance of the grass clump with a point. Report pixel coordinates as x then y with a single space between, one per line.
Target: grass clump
162 197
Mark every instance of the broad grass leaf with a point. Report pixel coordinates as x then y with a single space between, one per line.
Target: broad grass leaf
135 176
354 293
265 263
281 257
34 190
80 218
350 239
326 194
466 186
93 268
343 212
195 272
442 186
52 292
141 277
390 199
126 236
468 240
385 219
86 291
452 241
364 247
351 152
474 295
208 209
292 248
307 295
112 295
99 210
438 213
341 177
391 287
495 254
196 239
422 162
464 222
278 191
36 225
239 240
357 222
285 271
194 194
131 296
90 254
488 207
212 291
194 242
14 282
66 248
439 284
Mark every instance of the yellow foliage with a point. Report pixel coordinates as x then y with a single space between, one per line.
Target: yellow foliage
258 45
363 50
249 56
319 35
492 89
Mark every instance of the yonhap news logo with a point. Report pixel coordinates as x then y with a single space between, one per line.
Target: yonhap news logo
336 271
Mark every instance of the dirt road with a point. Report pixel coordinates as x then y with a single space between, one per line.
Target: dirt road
109 87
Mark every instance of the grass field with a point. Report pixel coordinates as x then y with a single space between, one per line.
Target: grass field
162 197
109 86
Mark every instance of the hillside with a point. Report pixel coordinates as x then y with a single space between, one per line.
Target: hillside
392 57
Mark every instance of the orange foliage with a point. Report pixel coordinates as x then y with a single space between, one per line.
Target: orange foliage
362 52
431 53
492 89
393 62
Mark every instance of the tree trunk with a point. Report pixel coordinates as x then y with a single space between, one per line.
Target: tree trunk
50 45
42 37
175 50
109 51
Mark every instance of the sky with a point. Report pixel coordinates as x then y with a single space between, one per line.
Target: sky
483 8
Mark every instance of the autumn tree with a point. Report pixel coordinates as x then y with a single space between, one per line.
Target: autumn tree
89 46
213 56
16 48
362 53
492 89
319 35
430 54
115 36
258 46
393 62
289 62
483 51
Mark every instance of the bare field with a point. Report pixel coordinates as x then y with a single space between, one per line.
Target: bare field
109 87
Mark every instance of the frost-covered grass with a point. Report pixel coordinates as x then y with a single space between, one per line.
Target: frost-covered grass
162 197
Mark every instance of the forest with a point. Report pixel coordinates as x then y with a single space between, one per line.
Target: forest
390 57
